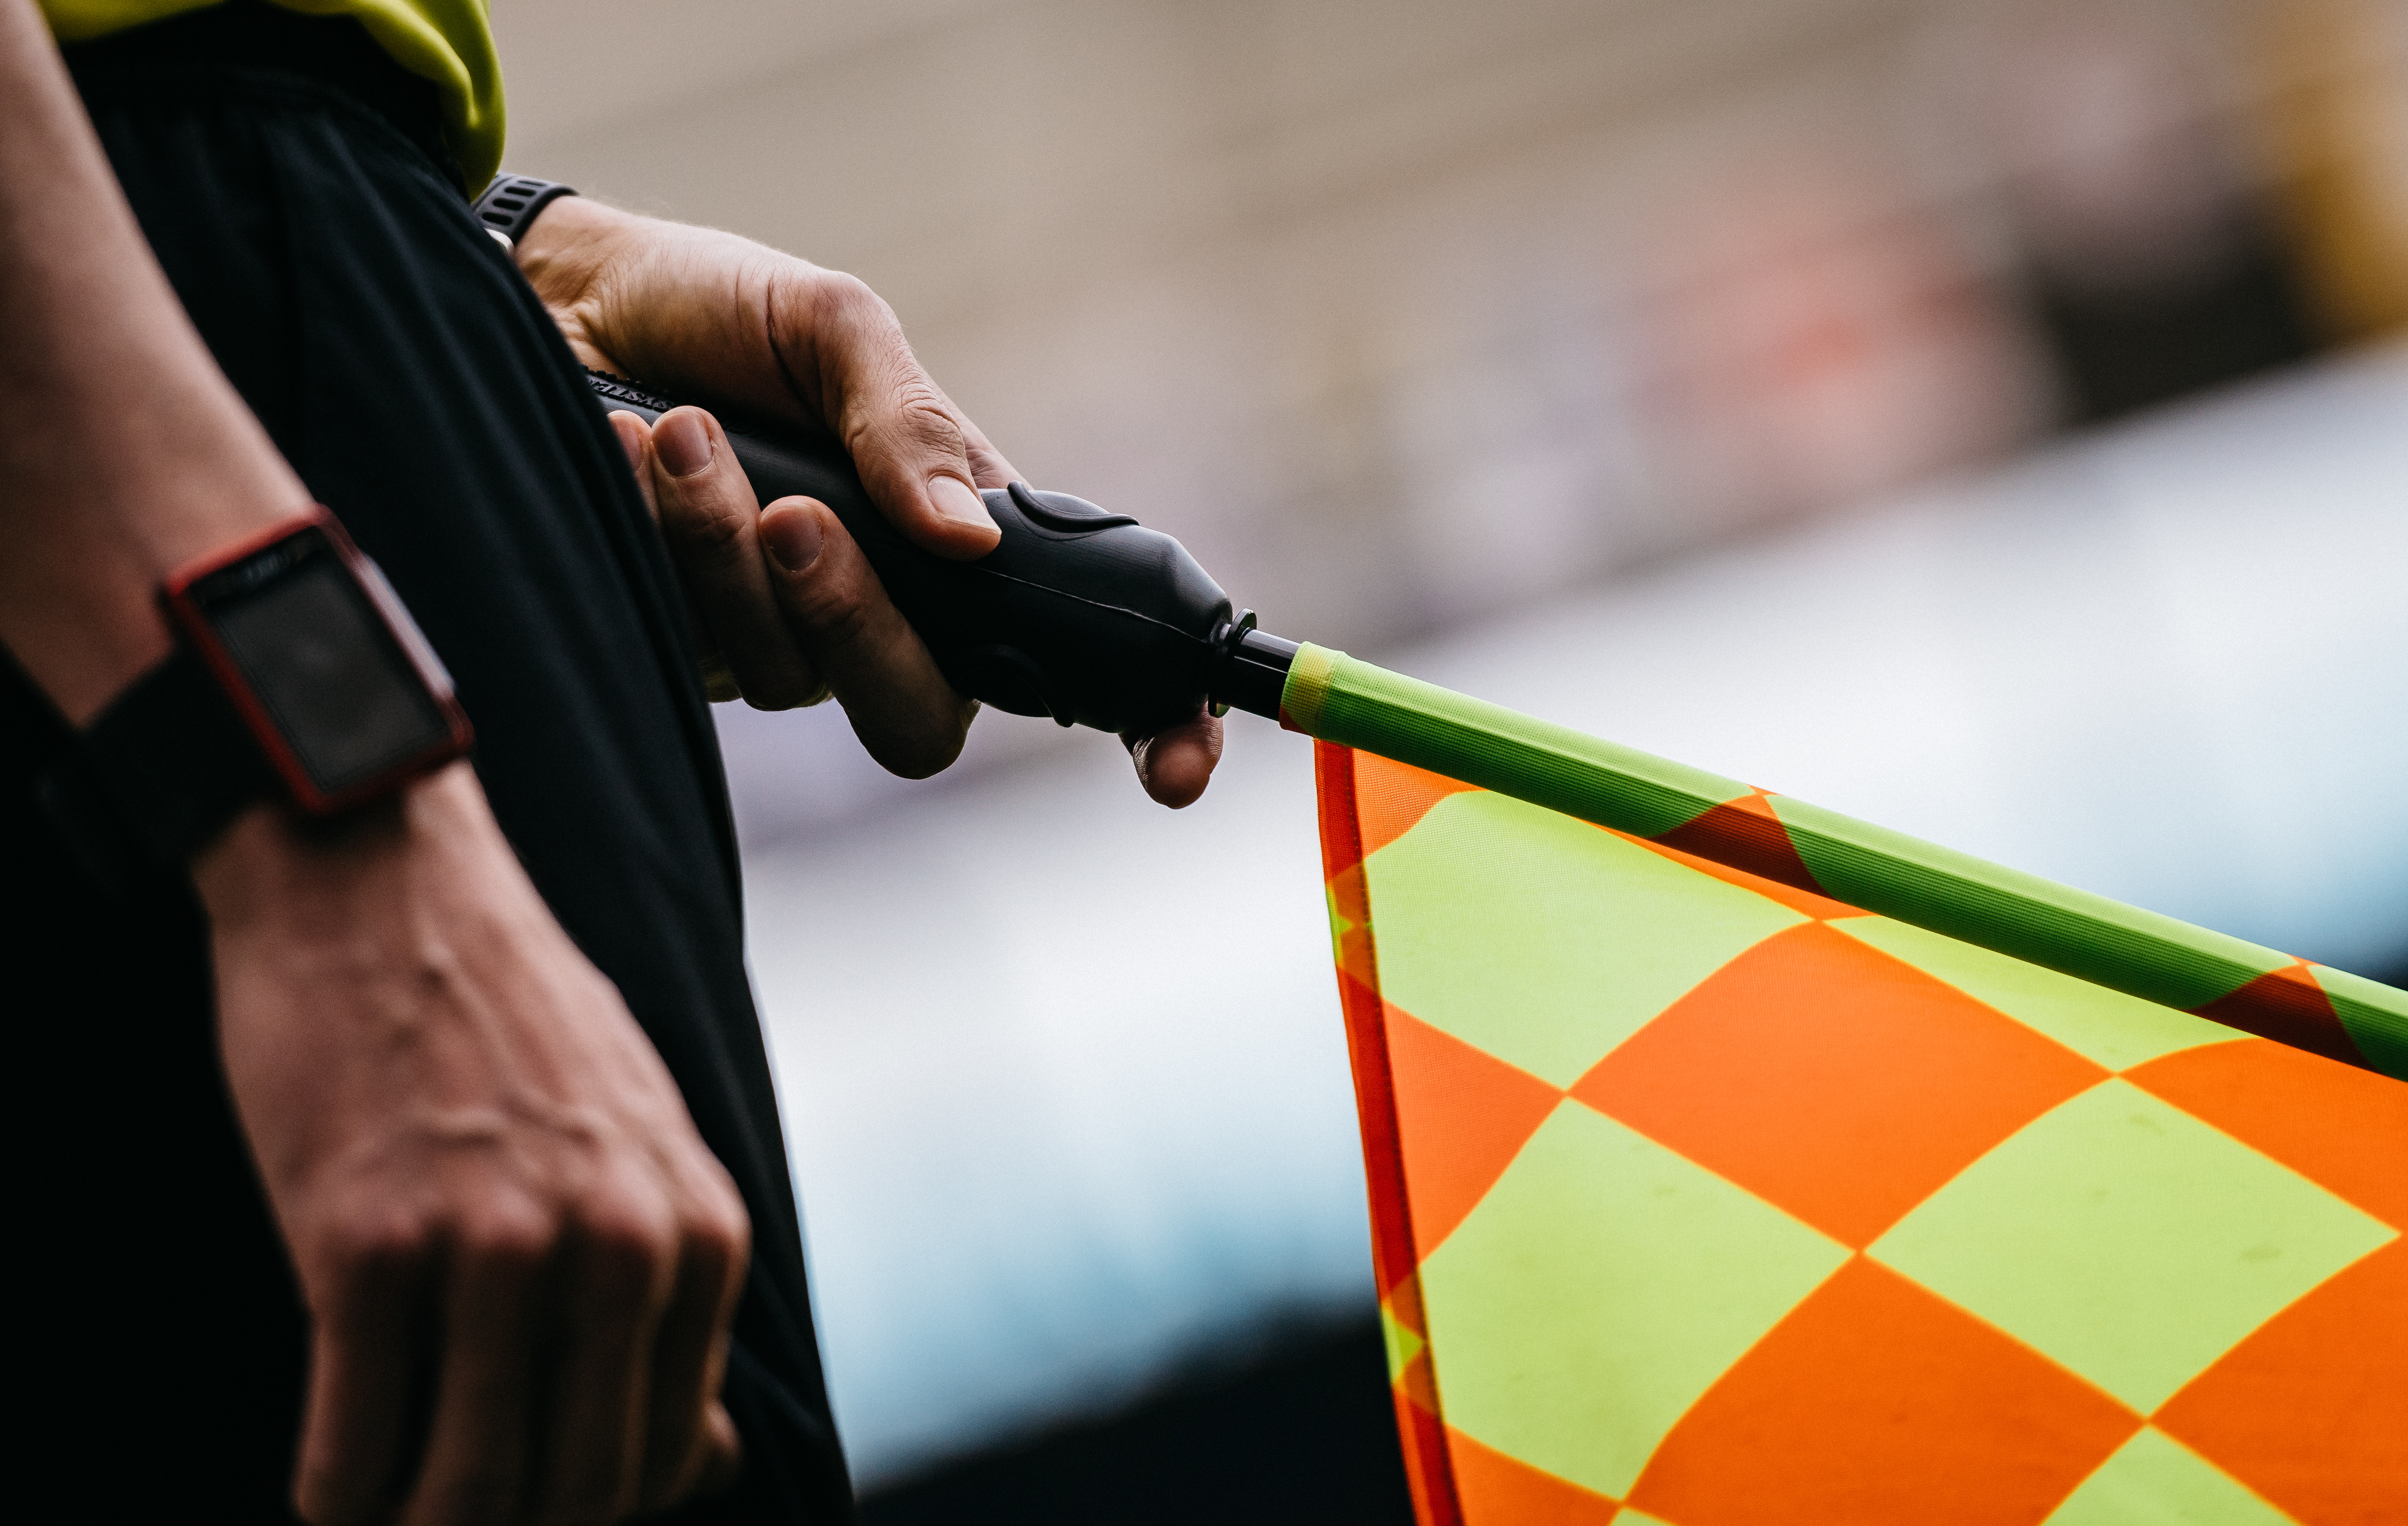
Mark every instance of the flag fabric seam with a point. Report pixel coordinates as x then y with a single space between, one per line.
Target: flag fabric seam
1429 1469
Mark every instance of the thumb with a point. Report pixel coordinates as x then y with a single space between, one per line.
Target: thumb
918 456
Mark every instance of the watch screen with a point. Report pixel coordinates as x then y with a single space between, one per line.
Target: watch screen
331 676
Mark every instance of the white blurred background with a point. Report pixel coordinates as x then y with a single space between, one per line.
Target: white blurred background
1985 418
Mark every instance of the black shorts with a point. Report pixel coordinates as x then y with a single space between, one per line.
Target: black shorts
289 178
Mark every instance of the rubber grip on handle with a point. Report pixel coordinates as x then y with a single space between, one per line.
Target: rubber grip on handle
1078 614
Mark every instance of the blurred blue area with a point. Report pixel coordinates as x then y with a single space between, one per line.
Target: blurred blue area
1064 1075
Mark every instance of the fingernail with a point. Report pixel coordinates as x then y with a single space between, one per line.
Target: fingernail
794 538
955 500
683 444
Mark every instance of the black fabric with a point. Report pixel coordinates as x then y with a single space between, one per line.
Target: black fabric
403 367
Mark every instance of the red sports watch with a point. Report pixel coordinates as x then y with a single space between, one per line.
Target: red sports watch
297 671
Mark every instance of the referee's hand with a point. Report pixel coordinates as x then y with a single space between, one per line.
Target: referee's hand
788 602
702 312
520 1259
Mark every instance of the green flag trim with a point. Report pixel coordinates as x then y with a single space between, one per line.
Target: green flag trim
1337 699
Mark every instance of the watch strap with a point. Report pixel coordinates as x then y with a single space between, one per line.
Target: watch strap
510 205
157 774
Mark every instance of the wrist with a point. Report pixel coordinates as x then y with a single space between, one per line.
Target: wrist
568 257
564 253
275 865
298 678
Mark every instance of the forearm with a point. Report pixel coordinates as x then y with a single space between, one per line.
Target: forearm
126 452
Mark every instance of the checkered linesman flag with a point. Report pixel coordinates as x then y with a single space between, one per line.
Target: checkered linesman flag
1736 1165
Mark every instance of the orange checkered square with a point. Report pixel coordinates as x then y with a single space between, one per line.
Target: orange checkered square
1832 1080
2312 1409
1878 1400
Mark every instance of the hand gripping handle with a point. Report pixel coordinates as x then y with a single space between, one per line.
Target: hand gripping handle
1080 615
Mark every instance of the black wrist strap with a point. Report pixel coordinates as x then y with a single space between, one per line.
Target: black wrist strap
512 204
156 775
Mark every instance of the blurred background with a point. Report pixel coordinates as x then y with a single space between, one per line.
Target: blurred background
1986 417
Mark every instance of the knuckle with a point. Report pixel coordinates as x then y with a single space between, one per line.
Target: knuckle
507 1242
703 527
719 1230
838 619
372 1245
926 417
828 603
711 1224
631 1230
844 317
847 296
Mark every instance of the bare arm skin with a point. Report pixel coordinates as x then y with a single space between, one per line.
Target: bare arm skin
789 600
126 452
460 1127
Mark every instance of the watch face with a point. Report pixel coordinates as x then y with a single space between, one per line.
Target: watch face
325 667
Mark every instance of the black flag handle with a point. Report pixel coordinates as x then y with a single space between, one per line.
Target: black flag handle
1078 614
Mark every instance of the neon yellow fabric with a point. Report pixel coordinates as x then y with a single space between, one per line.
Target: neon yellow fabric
449 42
1702 1198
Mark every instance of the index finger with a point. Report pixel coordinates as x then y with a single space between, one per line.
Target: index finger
709 520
